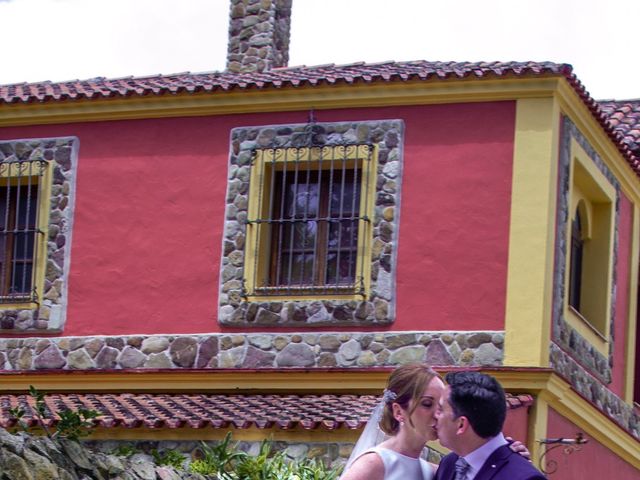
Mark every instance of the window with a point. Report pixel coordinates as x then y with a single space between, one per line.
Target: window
314 223
37 203
590 263
575 272
21 239
311 223
308 225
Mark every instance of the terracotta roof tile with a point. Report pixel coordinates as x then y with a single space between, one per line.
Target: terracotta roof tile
278 78
624 116
129 410
191 83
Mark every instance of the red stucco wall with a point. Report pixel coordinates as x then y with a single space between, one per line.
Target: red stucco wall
621 321
149 217
516 424
594 460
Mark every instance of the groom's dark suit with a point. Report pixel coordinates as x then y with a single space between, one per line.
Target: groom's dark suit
502 464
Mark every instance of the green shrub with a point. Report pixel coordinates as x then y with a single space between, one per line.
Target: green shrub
124 450
219 460
227 463
171 458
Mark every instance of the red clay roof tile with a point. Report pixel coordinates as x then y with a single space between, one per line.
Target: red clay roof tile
310 412
322 74
279 77
624 117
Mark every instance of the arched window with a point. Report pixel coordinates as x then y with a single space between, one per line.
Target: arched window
575 272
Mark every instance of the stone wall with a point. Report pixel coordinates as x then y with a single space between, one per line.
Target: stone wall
331 453
25 457
258 350
258 35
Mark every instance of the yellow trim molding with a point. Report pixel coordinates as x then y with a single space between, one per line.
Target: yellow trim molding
233 381
556 393
266 162
631 376
575 109
42 184
532 232
252 434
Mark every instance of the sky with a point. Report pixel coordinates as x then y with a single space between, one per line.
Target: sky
62 40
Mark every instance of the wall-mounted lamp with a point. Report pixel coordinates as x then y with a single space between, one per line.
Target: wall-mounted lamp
569 445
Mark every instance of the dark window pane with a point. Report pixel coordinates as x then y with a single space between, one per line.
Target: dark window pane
27 209
301 272
299 235
343 234
4 210
302 200
346 196
23 246
345 268
21 278
575 265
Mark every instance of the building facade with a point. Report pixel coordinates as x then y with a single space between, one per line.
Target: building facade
254 250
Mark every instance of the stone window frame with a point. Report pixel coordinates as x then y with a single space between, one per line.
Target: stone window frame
378 307
49 313
564 334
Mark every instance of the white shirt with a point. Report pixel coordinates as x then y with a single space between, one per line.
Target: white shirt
477 458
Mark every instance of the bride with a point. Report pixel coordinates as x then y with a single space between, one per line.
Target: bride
406 415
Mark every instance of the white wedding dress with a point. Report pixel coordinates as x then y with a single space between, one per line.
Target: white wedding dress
401 467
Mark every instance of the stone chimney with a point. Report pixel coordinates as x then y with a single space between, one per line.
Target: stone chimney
258 35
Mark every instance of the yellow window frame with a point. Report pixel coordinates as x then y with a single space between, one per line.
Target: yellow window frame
269 159
596 198
11 176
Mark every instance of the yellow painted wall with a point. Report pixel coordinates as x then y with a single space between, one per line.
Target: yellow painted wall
531 238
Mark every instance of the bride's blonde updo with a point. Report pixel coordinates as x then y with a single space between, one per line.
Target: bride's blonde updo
405 383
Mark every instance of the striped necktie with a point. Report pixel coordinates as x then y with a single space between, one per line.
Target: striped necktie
462 467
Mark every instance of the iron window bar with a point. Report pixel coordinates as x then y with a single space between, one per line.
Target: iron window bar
303 220
21 184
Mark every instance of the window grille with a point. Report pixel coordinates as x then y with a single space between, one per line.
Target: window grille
20 193
310 220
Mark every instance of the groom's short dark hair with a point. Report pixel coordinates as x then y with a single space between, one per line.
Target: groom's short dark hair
479 398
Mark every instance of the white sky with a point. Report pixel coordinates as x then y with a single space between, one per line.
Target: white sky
79 39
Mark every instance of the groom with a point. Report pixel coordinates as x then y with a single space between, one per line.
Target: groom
469 422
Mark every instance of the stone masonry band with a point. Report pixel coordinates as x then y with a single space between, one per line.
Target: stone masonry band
257 350
294 350
379 306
